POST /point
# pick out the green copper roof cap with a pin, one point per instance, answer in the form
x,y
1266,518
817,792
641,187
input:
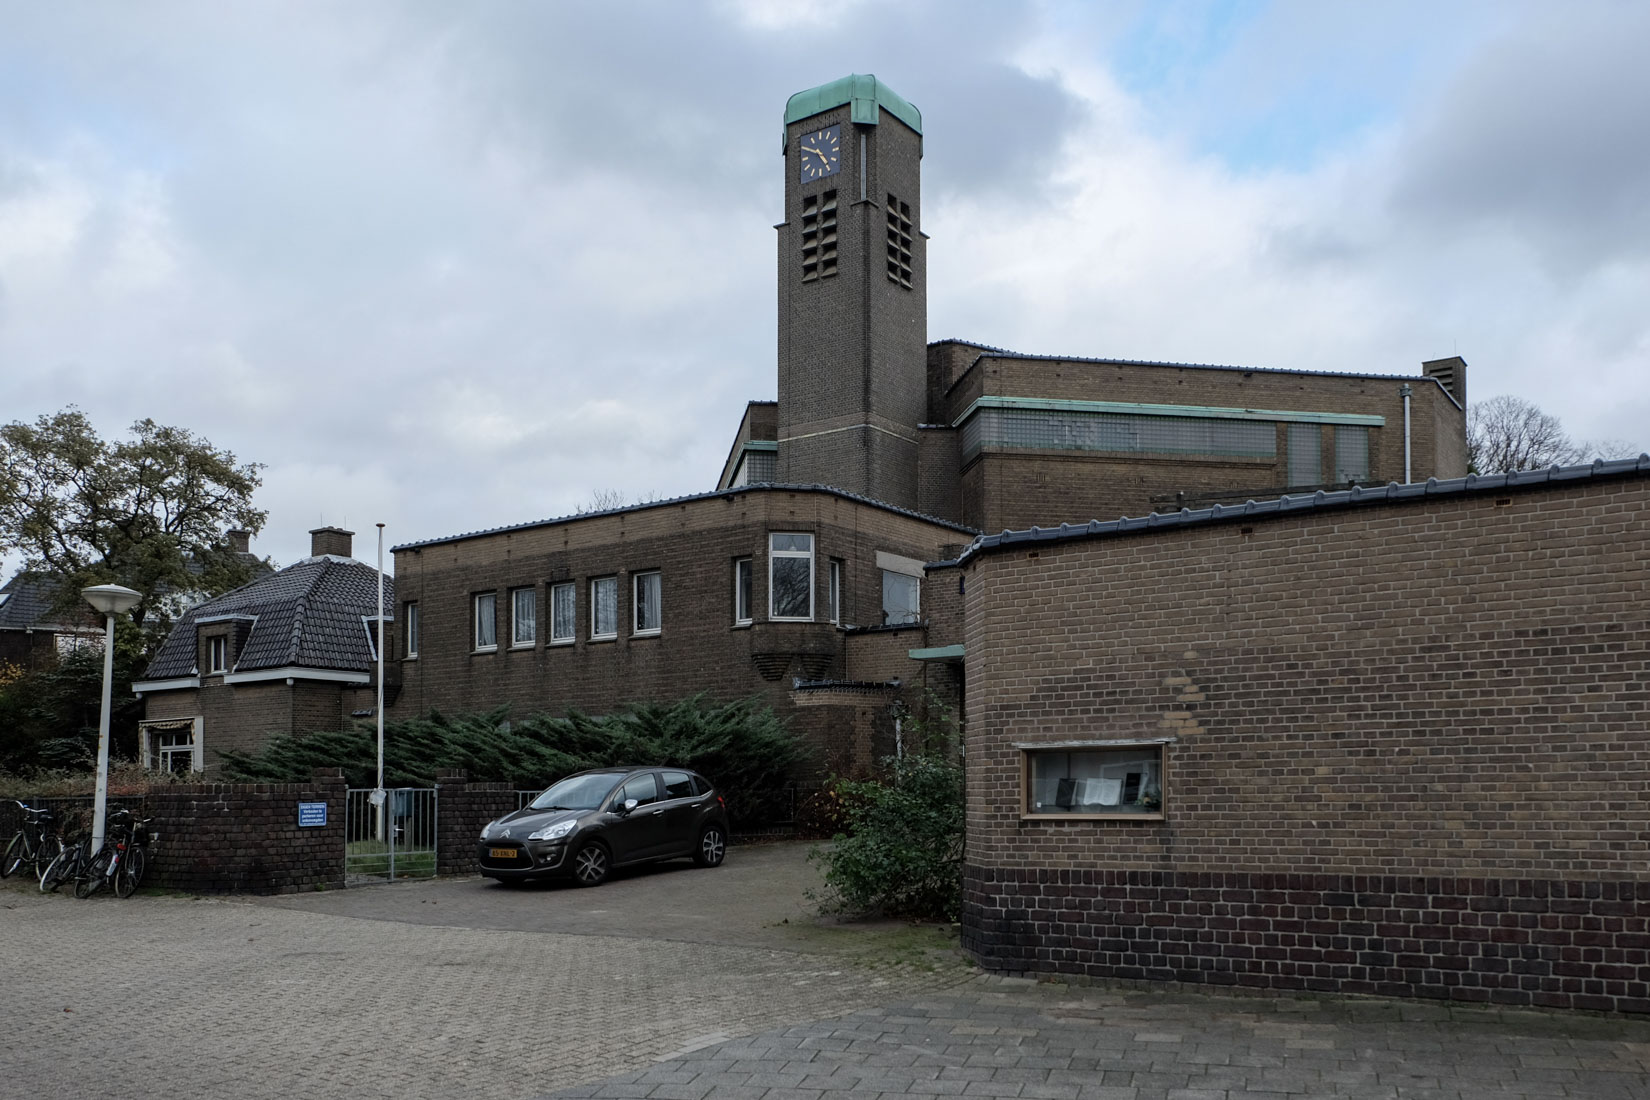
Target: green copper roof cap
x,y
865,92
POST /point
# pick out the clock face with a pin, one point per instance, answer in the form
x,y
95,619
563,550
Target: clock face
x,y
821,153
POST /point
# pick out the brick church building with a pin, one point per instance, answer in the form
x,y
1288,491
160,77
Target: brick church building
x,y
1260,687
801,576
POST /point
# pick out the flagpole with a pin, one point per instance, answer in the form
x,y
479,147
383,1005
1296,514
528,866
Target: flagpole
x,y
379,710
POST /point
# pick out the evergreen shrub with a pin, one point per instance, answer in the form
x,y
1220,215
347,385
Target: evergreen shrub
x,y
742,747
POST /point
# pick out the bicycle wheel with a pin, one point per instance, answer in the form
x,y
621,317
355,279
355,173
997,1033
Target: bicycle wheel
x,y
61,869
129,873
92,873
15,855
50,845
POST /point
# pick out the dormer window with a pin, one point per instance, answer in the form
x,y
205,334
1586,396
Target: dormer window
x,y
217,654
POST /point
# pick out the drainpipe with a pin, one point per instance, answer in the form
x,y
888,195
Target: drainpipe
x,y
1404,391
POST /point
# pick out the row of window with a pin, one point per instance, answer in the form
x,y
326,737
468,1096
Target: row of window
x,y
791,580
1046,429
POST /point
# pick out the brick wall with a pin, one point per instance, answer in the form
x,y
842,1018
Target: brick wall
x,y
699,648
1018,488
221,838
462,809
1408,749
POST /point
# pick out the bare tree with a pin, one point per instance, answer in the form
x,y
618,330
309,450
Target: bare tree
x,y
1508,433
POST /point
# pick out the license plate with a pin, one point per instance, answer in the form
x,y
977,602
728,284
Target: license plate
x,y
502,853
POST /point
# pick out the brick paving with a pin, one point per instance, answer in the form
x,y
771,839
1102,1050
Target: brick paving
x,y
182,998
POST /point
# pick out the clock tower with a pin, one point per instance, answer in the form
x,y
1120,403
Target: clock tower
x,y
853,296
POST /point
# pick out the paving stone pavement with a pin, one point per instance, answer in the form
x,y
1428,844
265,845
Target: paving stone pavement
x,y
998,1038
182,998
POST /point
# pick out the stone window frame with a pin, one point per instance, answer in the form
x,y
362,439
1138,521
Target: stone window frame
x,y
742,572
570,590
791,555
597,635
637,604
531,620
1028,749
490,617
410,630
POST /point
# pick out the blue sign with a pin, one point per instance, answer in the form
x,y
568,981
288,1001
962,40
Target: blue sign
x,y
311,813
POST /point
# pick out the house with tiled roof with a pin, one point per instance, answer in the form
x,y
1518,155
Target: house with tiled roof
x,y
35,625
289,653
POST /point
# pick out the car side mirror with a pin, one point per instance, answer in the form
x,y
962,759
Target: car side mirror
x,y
629,804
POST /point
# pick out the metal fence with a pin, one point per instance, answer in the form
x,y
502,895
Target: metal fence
x,y
392,840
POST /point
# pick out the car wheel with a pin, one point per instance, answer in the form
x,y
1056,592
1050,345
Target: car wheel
x,y
713,847
591,865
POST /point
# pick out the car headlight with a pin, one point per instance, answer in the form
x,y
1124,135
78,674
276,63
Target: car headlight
x,y
553,832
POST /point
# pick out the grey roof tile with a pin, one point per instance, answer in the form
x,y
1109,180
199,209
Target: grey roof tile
x,y
307,615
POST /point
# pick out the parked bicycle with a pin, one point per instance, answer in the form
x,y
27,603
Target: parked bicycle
x,y
121,861
36,843
68,864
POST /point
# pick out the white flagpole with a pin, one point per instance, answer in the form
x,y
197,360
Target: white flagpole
x,y
379,710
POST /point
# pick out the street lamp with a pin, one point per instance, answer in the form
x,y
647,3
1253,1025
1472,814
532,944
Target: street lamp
x,y
112,600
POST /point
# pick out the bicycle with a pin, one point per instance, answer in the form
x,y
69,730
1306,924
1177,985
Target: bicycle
x,y
122,859
67,866
36,843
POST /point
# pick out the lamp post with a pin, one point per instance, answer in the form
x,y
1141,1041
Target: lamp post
x,y
112,600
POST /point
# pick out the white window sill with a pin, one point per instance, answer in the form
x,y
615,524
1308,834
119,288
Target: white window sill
x,y
741,624
484,649
604,637
562,641
790,619
524,645
409,657
646,633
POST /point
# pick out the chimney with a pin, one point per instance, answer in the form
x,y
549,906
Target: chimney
x,y
240,541
1451,374
330,540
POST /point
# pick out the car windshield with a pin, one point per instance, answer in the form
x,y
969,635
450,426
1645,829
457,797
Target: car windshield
x,y
577,792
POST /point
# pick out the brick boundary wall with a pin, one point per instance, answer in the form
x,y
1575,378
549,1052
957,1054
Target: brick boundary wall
x,y
462,808
1531,942
233,838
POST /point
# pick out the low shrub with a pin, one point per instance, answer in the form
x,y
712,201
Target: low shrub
x,y
901,853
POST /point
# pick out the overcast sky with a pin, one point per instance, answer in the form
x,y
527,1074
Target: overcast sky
x,y
451,266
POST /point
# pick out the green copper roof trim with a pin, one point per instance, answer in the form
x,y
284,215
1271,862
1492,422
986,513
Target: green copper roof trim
x,y
937,653
761,445
1295,416
866,93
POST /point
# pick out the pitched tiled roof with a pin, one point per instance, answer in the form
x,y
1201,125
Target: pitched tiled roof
x,y
26,603
308,615
1308,502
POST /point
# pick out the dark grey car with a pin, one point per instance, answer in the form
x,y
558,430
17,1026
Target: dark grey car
x,y
589,823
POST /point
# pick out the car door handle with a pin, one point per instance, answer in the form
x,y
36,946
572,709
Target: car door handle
x,y
656,813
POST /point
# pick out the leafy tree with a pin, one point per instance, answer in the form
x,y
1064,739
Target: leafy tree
x,y
49,716
1506,434
149,512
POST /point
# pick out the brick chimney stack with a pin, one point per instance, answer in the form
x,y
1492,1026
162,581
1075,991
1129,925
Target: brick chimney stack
x,y
240,541
330,540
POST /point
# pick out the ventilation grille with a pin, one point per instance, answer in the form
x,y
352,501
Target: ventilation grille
x,y
818,236
899,241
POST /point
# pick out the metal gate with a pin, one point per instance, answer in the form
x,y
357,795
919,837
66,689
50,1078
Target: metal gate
x,y
389,840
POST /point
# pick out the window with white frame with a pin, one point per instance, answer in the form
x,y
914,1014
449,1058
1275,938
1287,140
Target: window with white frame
x,y
170,746
901,598
604,608
742,591
1094,780
410,612
562,613
790,576
217,654
524,617
834,597
647,588
486,620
